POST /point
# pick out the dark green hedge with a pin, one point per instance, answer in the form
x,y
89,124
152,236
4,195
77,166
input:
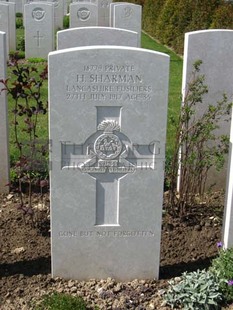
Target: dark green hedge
x,y
169,20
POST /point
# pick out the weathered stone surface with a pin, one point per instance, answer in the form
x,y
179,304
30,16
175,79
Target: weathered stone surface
x,y
5,23
127,16
108,111
86,36
215,49
39,29
228,211
104,12
4,145
83,14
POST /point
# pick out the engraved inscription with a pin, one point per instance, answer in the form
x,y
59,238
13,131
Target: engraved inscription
x,y
38,14
102,234
83,14
55,2
109,82
104,4
128,11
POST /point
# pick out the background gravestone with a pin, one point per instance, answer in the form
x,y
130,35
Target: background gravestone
x,y
127,16
108,111
215,49
39,29
95,36
18,5
58,11
12,26
111,11
83,14
5,23
104,13
4,147
228,211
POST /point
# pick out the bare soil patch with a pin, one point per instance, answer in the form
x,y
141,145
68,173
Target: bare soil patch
x,y
186,245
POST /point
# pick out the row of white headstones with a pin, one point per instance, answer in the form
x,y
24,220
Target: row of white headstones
x,y
41,19
121,108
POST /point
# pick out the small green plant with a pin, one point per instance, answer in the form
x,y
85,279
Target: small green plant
x,y
195,291
60,301
21,44
19,23
17,54
18,14
222,267
197,147
36,60
66,22
24,88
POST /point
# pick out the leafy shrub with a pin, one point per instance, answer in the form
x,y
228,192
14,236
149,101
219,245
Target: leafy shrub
x,y
180,16
223,17
169,20
202,14
17,55
21,44
18,14
36,60
58,301
19,23
197,148
66,22
166,22
222,267
25,89
195,291
151,12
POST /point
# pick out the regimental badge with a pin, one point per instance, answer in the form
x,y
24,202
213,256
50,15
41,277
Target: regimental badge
x,y
109,153
108,145
83,14
38,14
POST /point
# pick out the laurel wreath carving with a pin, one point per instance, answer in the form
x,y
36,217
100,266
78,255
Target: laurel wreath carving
x,y
109,126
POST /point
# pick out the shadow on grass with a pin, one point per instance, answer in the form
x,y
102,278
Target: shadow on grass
x,y
171,271
41,265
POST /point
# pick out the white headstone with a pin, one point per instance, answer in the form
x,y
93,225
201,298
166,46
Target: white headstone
x,y
18,5
83,14
39,29
111,11
58,11
228,211
108,111
104,13
66,6
215,49
12,26
4,145
5,22
87,36
127,16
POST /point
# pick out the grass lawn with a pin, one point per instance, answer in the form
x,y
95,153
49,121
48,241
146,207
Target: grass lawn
x,y
175,81
173,105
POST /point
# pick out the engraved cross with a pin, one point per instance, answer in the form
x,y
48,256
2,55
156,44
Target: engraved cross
x,y
38,37
108,155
